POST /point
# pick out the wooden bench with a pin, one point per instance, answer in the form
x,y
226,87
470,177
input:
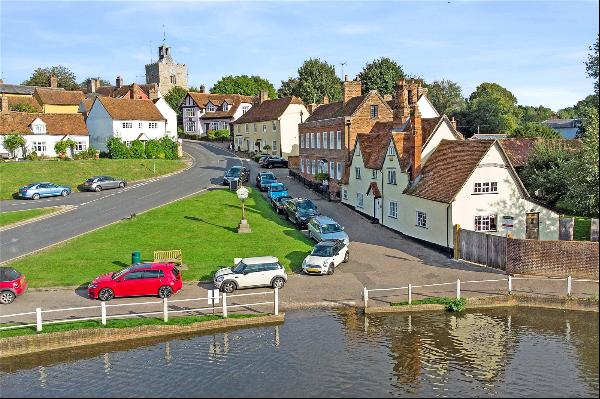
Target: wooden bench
x,y
172,256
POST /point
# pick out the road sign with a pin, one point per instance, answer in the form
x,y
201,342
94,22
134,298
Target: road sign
x,y
213,297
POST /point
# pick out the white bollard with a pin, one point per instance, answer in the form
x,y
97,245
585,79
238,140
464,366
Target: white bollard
x,y
569,286
409,294
224,305
457,288
103,312
365,296
509,284
276,302
38,319
165,310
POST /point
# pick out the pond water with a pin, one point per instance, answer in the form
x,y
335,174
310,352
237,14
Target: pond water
x,y
496,352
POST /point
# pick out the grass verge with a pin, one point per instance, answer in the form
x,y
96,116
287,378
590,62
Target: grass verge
x,y
119,323
452,304
204,227
72,173
7,218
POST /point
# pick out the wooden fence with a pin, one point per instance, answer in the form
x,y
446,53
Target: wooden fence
x,y
484,249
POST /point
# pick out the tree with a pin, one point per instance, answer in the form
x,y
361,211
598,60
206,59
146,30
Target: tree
x,y
527,113
315,80
446,96
137,149
41,77
117,149
536,130
382,75
174,98
62,146
101,82
244,85
12,142
591,65
287,87
23,108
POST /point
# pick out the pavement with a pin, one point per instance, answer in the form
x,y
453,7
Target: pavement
x,y
379,258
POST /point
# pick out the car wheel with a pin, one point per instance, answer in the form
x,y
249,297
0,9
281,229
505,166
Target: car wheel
x,y
64,193
106,294
347,257
331,269
35,196
122,185
7,297
165,291
98,188
278,282
228,287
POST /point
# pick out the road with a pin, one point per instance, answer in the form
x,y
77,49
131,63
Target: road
x,y
94,210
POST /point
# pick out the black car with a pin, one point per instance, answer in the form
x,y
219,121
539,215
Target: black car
x,y
271,162
299,211
236,172
279,203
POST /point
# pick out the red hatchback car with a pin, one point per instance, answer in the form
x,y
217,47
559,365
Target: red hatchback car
x,y
162,279
12,284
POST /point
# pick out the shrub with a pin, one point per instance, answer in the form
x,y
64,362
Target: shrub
x,y
90,153
322,176
117,149
33,156
220,134
12,142
169,148
62,146
137,149
154,150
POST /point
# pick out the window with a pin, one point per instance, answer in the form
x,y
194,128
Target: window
x,y
357,149
153,274
152,125
421,219
331,169
39,128
393,209
211,108
238,129
373,174
301,165
302,140
331,140
189,112
485,187
340,167
134,275
39,146
127,125
338,134
127,143
374,111
312,140
357,172
319,167
190,126
485,223
245,109
360,200
264,127
247,128
344,194
274,126
225,107
274,147
214,125
325,140
80,146
391,174
255,128
140,125
391,151
318,140
314,166
173,79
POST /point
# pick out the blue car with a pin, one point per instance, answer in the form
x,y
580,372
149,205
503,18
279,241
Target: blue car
x,y
265,181
276,190
38,190
322,228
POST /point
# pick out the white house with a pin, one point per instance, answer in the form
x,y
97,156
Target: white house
x,y
169,114
43,131
422,188
125,118
202,112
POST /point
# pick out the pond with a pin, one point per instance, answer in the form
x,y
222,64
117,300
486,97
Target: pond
x,y
496,352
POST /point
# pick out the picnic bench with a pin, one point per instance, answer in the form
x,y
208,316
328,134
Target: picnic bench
x,y
171,256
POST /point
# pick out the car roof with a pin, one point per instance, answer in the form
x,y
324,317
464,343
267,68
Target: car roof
x,y
324,219
149,265
259,260
276,184
328,243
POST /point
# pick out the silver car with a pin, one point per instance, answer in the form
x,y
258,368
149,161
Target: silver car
x,y
99,183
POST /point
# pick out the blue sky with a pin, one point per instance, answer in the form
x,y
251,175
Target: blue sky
x,y
535,49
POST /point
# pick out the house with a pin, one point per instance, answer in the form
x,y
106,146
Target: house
x,y
54,101
328,136
119,90
568,128
169,114
422,186
42,131
202,111
273,123
127,119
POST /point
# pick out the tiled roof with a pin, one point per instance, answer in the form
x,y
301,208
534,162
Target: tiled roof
x,y
234,100
27,100
118,92
59,97
6,88
268,110
56,124
448,168
518,150
127,109
336,109
374,146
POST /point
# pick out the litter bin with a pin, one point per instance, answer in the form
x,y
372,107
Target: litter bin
x,y
136,257
234,184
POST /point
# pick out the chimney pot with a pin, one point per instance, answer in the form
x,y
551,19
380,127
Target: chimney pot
x,y
453,122
202,88
53,81
345,78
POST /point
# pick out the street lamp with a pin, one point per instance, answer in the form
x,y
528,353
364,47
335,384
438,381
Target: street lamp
x,y
242,194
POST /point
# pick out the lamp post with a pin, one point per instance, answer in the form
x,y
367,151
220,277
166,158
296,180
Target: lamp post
x,y
242,194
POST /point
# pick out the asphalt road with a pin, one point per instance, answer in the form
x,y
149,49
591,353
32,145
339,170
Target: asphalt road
x,y
94,210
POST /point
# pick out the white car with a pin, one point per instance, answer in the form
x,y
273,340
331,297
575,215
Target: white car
x,y
325,257
264,271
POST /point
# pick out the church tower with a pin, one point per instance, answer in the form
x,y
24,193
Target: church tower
x,y
166,72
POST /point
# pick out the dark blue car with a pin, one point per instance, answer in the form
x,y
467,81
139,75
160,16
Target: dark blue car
x,y
265,181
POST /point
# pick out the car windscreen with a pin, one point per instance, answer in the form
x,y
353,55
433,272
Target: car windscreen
x,y
322,250
9,274
239,268
278,189
234,172
282,199
268,176
331,228
306,206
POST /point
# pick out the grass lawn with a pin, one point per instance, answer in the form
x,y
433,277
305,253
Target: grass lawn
x,y
7,218
72,173
452,304
119,323
203,227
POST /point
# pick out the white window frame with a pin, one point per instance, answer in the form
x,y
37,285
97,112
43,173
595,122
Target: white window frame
x,y
247,128
190,126
152,125
374,115
225,106
391,176
393,209
357,172
264,127
318,140
39,147
80,146
338,134
340,168
331,169
301,165
127,125
314,167
210,108
312,140
302,140
344,194
332,140
373,173
485,223
391,151
487,187
360,200
245,109
274,146
274,126
190,113
357,149
421,219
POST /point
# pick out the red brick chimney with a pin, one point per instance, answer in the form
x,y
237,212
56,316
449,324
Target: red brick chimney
x,y
414,89
4,105
53,81
416,142
352,88
401,108
325,99
264,96
119,82
311,107
153,92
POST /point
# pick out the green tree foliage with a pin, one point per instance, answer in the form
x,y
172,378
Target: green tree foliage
x,y
576,111
220,134
101,82
174,98
446,96
169,148
315,79
117,149
243,84
381,75
23,108
591,65
41,77
533,130
287,87
62,146
12,142
137,149
527,113
154,150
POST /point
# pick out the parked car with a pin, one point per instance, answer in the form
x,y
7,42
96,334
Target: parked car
x,y
99,183
162,279
266,180
12,284
264,271
258,157
299,211
279,203
321,228
46,189
276,190
271,162
236,172
259,175
325,257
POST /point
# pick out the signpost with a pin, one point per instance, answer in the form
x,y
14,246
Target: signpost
x,y
507,225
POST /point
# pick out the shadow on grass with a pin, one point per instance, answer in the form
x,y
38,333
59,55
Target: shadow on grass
x,y
120,264
197,219
295,258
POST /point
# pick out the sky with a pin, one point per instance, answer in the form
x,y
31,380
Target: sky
x,y
535,49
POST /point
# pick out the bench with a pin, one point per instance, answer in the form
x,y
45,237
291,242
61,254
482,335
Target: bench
x,y
172,256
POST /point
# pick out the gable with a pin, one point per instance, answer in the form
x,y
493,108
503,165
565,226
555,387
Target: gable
x,y
443,131
426,107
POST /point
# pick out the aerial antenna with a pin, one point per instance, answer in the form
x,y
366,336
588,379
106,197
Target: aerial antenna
x,y
342,64
164,35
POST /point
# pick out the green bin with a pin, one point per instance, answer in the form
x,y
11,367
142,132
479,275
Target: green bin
x,y
136,257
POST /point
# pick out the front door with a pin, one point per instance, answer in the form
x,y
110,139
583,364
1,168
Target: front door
x,y
377,211
532,226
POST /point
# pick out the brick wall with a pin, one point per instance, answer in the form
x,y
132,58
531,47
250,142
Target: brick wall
x,y
293,162
578,259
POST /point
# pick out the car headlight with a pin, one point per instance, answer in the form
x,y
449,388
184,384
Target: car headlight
x,y
325,262
219,279
93,286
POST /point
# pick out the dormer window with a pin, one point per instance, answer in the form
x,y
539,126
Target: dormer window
x,y
225,106
38,127
210,108
391,152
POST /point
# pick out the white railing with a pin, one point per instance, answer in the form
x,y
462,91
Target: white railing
x,y
569,286
103,307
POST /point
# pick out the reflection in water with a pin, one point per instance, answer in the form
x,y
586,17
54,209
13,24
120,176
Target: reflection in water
x,y
499,352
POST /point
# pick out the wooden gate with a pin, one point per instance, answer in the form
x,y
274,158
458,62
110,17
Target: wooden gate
x,y
484,249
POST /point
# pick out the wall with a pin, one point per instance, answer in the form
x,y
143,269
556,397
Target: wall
x,y
442,133
426,108
133,133
60,109
288,130
100,126
50,141
361,185
170,115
